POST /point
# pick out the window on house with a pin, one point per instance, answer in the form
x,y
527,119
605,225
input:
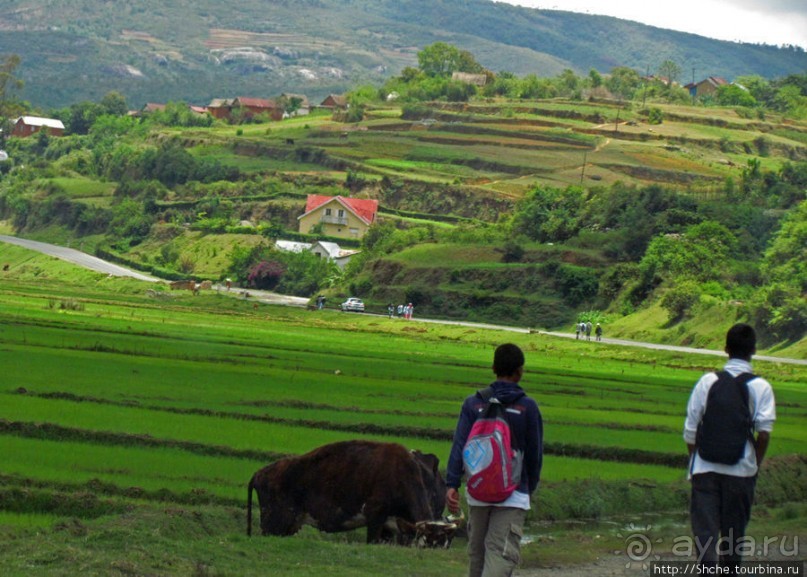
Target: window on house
x,y
341,213
327,212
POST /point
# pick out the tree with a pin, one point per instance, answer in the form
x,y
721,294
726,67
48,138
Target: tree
x,y
669,71
266,274
595,78
785,259
441,59
81,116
623,82
734,95
114,103
680,299
8,84
700,254
549,214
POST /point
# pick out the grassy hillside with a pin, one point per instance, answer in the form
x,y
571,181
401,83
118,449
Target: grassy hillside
x,y
468,225
159,51
135,459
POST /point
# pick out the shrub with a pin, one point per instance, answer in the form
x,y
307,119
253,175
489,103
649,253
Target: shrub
x,y
265,275
655,116
512,252
678,300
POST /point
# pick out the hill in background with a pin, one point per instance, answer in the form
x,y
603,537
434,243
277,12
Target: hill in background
x,y
171,50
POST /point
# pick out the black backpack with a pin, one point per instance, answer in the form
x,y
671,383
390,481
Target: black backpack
x,y
726,423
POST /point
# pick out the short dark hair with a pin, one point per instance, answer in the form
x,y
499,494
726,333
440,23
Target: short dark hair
x,y
507,359
741,341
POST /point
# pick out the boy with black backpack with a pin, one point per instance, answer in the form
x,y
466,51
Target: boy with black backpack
x,y
498,445
730,416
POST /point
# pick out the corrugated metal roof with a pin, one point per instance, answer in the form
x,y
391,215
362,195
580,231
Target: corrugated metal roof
x,y
39,121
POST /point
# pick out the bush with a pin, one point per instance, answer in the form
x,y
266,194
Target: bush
x,y
782,310
512,252
655,116
678,300
265,275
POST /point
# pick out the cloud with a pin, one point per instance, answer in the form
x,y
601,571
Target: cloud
x,y
769,6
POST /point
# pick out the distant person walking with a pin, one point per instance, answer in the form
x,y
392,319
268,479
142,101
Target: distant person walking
x,y
400,311
577,330
725,410
391,310
408,310
598,331
588,330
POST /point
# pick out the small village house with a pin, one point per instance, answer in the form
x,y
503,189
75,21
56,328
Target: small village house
x,y
292,246
221,108
303,105
327,250
338,216
706,87
334,102
466,78
333,252
152,107
252,107
28,125
229,108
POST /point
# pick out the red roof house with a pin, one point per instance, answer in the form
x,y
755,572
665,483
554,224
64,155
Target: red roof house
x,y
338,216
28,125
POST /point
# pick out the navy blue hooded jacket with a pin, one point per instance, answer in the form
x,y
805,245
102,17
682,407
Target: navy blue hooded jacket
x,y
526,427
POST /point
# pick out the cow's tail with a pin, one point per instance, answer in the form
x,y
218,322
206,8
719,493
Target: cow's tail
x,y
249,506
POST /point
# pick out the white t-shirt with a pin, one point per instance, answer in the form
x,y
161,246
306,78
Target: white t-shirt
x,y
763,413
517,500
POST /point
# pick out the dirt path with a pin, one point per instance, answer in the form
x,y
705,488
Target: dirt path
x,y
604,567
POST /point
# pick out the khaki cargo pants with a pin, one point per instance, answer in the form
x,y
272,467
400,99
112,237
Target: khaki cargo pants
x,y
494,540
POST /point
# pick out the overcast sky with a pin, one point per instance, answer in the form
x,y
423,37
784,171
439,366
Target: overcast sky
x,y
774,22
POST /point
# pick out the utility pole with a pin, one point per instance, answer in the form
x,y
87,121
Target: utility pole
x,y
583,170
646,81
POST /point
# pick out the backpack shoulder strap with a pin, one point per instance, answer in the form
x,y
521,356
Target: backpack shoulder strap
x,y
486,393
741,380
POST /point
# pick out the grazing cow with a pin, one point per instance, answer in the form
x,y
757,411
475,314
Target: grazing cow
x,y
347,485
183,285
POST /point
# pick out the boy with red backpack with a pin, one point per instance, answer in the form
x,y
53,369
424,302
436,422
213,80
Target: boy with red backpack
x,y
498,445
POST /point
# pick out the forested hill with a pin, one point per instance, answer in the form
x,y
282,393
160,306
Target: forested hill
x,y
160,50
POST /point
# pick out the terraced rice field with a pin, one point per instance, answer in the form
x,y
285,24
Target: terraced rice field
x,y
191,396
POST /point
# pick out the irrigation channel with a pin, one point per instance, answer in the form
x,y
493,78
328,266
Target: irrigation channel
x,y
94,263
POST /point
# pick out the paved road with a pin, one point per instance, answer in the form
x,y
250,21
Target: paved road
x,y
94,263
77,257
97,264
622,342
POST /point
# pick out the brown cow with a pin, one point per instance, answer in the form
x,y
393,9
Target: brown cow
x,y
183,285
347,485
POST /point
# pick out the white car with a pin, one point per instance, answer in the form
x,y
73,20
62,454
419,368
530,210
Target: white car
x,y
353,304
